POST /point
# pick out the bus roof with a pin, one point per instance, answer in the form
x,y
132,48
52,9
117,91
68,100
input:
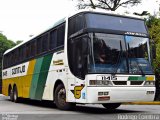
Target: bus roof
x,y
106,12
73,14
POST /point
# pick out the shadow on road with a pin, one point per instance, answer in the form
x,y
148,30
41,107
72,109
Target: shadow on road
x,y
78,108
98,110
37,103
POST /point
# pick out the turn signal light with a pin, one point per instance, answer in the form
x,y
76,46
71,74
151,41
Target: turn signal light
x,y
149,83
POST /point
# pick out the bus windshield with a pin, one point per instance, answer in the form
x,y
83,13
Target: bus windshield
x,y
119,54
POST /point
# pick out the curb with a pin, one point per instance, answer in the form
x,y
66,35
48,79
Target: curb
x,y
143,103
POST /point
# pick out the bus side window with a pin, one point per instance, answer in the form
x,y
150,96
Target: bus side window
x,y
9,60
16,56
20,53
76,24
77,56
39,45
28,50
53,40
33,48
45,43
4,61
60,35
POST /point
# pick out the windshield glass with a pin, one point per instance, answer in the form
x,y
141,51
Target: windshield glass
x,y
119,54
108,52
138,55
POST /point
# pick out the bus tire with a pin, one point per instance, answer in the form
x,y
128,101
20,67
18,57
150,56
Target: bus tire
x,y
10,93
60,98
15,94
111,106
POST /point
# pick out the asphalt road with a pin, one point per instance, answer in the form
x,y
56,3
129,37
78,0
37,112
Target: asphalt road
x,y
45,110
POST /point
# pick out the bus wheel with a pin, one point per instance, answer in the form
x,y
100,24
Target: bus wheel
x,y
10,94
15,94
60,98
111,106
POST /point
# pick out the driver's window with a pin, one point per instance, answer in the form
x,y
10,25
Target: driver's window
x,y
77,59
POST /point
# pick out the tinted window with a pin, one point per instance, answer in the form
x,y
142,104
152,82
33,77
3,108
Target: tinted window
x,y
109,54
77,56
28,50
138,56
5,61
60,35
53,39
33,48
45,43
9,59
12,58
20,54
75,24
115,23
16,55
39,45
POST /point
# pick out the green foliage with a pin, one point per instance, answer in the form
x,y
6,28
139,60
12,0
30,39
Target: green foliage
x,y
5,44
18,42
153,25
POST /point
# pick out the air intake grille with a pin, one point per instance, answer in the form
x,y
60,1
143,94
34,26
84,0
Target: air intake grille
x,y
120,82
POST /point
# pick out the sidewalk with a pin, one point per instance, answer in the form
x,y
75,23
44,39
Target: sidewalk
x,y
143,103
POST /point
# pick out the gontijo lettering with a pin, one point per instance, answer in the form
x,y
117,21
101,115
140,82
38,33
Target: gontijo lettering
x,y
5,73
18,70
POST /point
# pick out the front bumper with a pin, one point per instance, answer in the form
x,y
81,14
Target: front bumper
x,y
120,94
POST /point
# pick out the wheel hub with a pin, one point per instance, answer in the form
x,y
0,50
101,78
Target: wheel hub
x,y
62,96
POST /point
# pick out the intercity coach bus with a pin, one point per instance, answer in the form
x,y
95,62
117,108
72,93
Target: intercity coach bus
x,y
86,58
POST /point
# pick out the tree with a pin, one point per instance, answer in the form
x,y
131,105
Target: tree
x,y
153,25
106,4
18,42
5,44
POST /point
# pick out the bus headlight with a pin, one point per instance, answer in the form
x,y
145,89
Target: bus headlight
x,y
149,83
100,82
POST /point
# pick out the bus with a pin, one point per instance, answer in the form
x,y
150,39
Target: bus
x,y
89,57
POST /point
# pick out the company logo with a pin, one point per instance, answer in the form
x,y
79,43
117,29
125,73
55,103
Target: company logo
x,y
18,70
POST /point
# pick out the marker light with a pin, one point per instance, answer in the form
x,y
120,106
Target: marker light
x,y
149,83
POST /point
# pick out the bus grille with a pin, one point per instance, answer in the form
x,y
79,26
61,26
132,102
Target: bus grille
x,y
136,82
130,82
120,82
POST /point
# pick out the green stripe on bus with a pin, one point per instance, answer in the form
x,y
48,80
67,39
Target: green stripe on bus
x,y
34,82
40,77
136,78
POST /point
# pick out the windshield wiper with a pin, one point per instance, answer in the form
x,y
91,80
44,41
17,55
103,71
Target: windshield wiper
x,y
119,59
